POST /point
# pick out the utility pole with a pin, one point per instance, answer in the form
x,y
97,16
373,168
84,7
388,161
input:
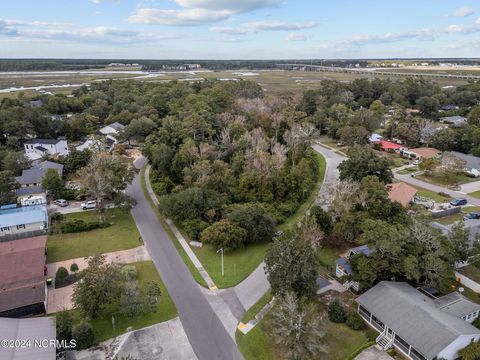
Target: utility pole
x,y
221,252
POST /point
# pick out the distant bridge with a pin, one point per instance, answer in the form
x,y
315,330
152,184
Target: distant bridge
x,y
306,67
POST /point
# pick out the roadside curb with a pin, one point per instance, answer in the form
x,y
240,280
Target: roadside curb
x,y
193,258
245,328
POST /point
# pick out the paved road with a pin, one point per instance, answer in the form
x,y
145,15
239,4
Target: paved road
x,y
331,172
416,182
205,331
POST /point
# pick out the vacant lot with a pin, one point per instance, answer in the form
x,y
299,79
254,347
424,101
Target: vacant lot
x,y
121,235
166,310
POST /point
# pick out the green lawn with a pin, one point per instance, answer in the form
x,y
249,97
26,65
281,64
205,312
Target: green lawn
x,y
166,310
253,311
326,257
432,195
439,178
471,272
475,194
238,263
256,345
193,270
122,235
341,341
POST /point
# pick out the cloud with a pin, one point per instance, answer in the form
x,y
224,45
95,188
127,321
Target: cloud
x,y
267,25
463,11
190,17
426,34
296,37
198,12
235,6
30,30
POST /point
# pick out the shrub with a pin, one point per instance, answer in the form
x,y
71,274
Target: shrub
x,y
63,321
129,272
322,218
355,321
73,226
83,334
194,228
470,352
336,312
61,274
74,267
371,335
476,323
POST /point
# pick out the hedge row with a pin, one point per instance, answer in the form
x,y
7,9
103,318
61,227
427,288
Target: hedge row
x,y
73,226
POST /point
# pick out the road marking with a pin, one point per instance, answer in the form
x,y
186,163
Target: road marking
x,y
213,288
241,326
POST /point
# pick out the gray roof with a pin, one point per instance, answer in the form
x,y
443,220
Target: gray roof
x,y
29,190
117,126
414,317
39,328
364,249
455,120
35,174
344,264
456,304
472,161
43,141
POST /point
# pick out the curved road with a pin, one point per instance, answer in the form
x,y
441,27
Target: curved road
x,y
207,335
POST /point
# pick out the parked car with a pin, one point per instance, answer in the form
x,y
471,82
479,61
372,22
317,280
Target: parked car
x,y
472,215
458,202
91,204
61,202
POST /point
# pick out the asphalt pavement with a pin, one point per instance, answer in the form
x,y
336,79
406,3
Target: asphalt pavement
x,y
208,337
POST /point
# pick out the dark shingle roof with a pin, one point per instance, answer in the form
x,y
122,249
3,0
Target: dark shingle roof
x,y
35,174
43,141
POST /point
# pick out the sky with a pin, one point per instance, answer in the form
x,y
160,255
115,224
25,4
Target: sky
x,y
239,29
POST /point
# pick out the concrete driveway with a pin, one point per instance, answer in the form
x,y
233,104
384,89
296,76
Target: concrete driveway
x,y
164,341
470,187
59,299
373,353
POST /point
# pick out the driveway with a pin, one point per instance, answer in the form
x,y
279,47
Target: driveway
x,y
59,299
373,353
206,333
470,187
164,341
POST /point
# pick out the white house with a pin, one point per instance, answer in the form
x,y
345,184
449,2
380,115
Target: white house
x,y
35,149
420,326
111,132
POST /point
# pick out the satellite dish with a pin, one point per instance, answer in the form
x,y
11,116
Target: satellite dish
x,y
461,289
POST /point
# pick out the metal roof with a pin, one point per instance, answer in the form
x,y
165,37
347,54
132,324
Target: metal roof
x,y
40,328
29,190
415,317
23,215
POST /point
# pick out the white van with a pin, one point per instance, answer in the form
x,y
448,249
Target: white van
x,y
91,204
